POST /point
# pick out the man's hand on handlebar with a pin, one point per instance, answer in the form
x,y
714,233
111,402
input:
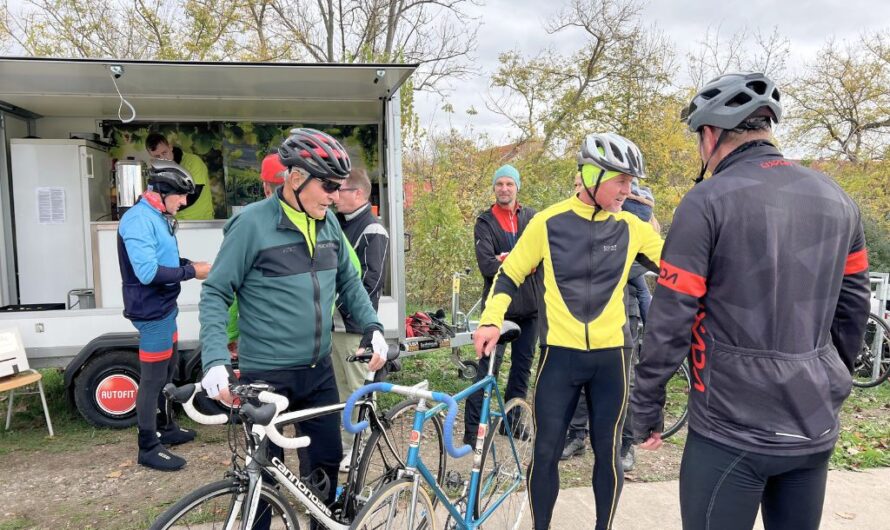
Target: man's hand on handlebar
x,y
216,383
373,340
485,338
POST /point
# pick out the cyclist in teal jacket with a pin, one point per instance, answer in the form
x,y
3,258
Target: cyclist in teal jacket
x,y
288,260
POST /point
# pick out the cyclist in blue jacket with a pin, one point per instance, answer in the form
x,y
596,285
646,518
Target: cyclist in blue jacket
x,y
151,271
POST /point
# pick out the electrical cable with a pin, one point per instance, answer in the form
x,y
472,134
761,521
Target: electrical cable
x,y
123,102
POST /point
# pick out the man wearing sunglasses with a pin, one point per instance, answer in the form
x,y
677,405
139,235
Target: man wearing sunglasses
x,y
289,261
370,240
151,271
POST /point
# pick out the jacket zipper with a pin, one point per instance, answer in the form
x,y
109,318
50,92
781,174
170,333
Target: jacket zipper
x,y
589,283
317,296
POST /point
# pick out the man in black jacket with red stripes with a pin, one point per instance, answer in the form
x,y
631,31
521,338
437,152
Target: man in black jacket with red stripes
x,y
496,232
764,286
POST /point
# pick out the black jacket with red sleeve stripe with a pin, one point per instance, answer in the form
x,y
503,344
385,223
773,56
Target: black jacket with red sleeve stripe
x,y
764,286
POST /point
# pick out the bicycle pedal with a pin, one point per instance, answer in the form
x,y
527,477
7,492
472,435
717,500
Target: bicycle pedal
x,y
453,479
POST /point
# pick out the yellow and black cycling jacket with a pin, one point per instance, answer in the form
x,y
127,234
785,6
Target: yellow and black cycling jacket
x,y
586,262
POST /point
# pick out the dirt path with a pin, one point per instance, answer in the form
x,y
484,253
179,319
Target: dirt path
x,y
101,487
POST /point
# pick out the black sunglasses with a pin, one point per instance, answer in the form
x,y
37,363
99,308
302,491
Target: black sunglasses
x,y
330,186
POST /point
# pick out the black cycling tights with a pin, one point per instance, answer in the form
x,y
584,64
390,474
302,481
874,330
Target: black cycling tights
x,y
721,488
604,376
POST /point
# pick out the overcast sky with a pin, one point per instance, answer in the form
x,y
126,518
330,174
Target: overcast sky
x,y
518,24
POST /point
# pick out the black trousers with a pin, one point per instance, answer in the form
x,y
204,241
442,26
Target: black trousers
x,y
564,372
522,351
578,425
306,388
722,488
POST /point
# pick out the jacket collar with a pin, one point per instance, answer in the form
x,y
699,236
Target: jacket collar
x,y
747,151
360,212
585,210
284,222
154,201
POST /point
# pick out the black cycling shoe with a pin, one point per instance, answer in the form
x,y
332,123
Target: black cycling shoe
x,y
177,435
160,458
574,447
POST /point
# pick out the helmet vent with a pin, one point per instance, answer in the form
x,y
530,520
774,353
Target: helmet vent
x,y
714,92
759,87
740,99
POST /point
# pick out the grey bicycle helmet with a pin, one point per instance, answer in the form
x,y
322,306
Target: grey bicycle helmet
x,y
612,152
728,100
315,152
166,176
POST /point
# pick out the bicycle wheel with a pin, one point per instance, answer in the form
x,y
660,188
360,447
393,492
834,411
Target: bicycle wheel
x,y
221,505
378,465
872,364
676,403
392,508
502,471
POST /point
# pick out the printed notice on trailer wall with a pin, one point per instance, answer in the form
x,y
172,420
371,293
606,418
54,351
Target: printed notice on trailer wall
x,y
51,206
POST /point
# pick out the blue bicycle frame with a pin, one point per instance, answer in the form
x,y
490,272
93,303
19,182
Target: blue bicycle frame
x,y
414,462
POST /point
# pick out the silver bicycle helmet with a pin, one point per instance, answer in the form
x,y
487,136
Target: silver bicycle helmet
x,y
728,100
166,176
612,152
315,152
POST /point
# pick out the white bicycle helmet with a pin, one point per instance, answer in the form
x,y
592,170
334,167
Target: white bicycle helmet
x,y
727,101
612,152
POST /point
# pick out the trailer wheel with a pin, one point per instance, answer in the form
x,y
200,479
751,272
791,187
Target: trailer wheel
x,y
105,389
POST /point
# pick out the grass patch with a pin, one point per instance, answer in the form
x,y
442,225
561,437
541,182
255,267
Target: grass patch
x,y
28,431
865,430
18,523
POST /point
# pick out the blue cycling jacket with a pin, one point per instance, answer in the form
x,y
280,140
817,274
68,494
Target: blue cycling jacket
x,y
151,269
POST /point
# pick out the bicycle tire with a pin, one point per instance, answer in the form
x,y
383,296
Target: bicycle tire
x,y
378,466
876,330
677,395
199,508
379,512
498,466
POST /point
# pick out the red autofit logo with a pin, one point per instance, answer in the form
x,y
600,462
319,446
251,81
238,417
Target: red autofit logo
x,y
116,394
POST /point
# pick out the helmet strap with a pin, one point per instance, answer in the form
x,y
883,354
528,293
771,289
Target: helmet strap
x,y
704,164
297,193
596,187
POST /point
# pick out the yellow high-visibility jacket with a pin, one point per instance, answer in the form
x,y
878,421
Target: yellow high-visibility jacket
x,y
586,263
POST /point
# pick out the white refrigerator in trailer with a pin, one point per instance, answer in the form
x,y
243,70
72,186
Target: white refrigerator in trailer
x,y
59,187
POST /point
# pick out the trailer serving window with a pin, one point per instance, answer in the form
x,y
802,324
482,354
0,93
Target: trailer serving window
x,y
232,152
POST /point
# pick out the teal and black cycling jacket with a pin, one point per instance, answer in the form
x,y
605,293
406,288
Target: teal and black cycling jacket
x,y
286,294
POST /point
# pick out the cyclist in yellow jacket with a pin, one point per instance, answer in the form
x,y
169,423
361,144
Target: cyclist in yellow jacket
x,y
586,246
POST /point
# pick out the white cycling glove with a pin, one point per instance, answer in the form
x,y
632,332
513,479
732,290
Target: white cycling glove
x,y
216,379
379,345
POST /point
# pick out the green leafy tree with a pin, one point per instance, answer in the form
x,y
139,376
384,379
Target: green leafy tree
x,y
842,101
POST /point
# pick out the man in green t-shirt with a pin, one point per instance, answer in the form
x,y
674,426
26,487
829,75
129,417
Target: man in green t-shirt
x,y
200,203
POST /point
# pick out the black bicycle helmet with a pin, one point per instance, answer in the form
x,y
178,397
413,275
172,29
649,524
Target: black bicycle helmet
x,y
315,152
730,99
166,176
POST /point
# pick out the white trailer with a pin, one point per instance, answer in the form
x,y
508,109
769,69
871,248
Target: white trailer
x,y
54,98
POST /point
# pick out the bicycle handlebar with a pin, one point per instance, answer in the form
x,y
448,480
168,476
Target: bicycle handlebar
x,y
411,392
264,415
